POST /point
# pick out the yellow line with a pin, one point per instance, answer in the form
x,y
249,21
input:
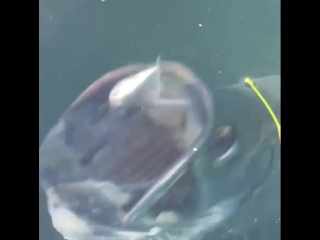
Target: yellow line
x,y
275,119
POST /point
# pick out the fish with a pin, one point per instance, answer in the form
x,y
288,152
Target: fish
x,y
120,141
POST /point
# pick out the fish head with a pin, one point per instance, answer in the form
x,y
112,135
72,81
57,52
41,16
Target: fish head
x,y
270,84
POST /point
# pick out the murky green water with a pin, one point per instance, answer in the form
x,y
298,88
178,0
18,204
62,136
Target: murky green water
x,y
222,40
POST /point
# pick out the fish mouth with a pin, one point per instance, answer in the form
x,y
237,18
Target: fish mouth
x,y
130,155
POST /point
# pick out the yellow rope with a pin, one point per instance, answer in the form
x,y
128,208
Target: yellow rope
x,y
274,117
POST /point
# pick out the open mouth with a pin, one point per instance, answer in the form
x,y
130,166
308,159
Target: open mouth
x,y
128,164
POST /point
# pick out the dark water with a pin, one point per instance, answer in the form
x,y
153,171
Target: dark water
x,y
80,40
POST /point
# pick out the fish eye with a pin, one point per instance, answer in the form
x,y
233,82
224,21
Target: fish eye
x,y
224,146
224,135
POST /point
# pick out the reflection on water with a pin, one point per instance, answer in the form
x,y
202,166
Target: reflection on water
x,y
80,40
